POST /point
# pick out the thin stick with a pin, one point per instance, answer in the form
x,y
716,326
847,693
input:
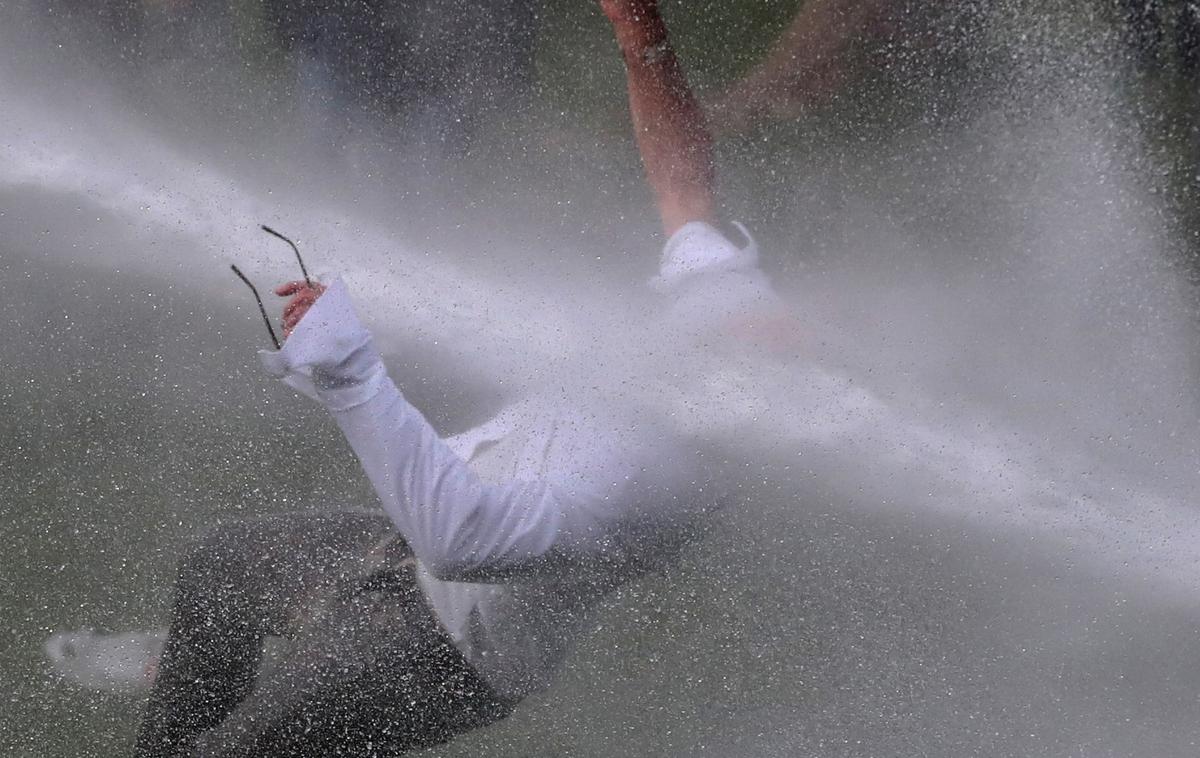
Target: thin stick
x,y
261,309
303,270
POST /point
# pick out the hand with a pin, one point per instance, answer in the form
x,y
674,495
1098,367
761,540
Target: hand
x,y
303,296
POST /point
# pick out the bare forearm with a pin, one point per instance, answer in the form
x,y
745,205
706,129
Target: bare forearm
x,y
670,128
814,41
808,64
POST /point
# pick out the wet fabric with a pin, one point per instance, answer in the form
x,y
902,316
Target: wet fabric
x,y
519,543
368,671
522,527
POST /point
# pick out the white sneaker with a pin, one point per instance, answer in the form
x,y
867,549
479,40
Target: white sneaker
x,y
123,662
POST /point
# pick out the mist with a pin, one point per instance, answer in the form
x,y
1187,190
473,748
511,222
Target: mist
x,y
961,517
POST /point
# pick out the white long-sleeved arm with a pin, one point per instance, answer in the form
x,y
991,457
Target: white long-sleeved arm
x,y
458,525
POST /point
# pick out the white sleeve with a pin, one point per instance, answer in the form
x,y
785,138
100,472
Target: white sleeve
x,y
458,526
698,247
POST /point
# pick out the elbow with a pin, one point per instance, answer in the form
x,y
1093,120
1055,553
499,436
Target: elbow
x,y
467,558
491,534
446,568
455,558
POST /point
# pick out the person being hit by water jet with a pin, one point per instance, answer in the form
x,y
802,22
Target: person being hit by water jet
x,y
441,616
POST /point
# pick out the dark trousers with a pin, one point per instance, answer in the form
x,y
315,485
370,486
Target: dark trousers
x,y
367,672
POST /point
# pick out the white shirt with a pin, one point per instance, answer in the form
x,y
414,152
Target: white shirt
x,y
522,524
